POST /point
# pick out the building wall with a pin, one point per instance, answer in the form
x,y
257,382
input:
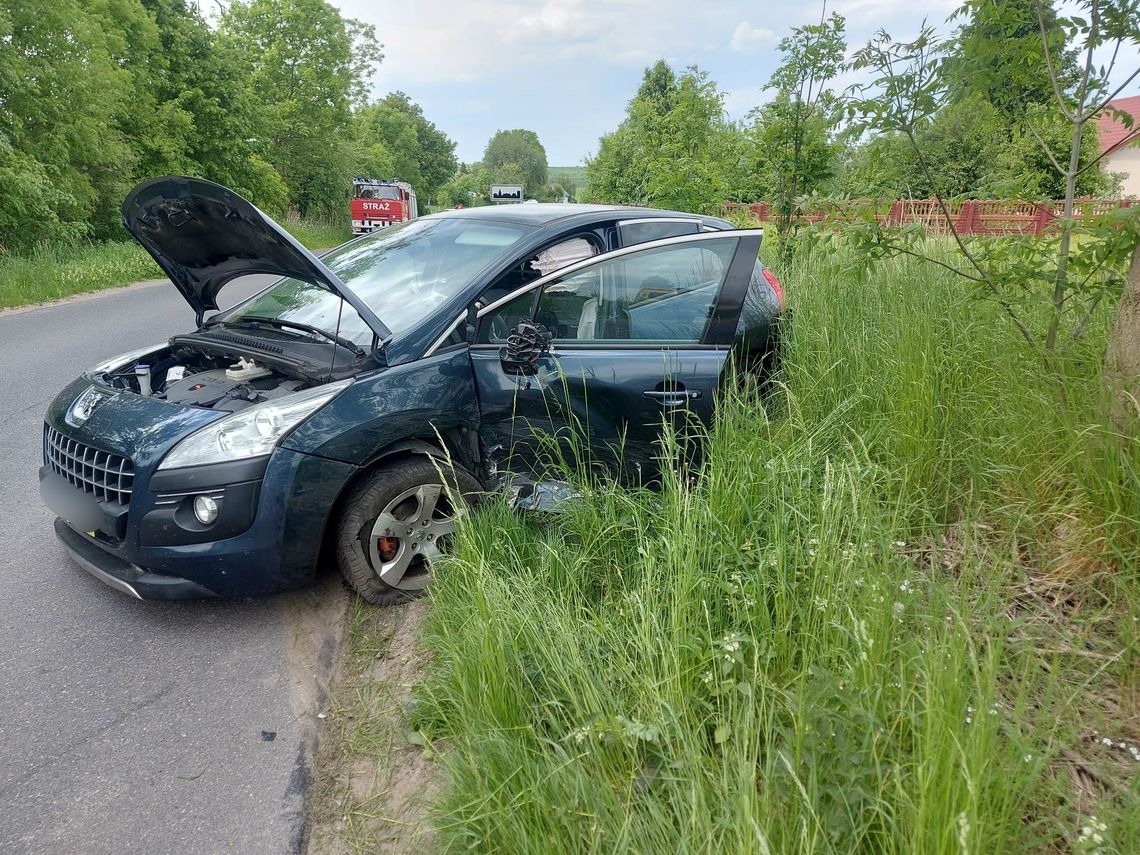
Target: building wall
x,y
1126,160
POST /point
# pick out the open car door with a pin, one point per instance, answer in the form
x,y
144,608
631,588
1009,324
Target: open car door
x,y
584,366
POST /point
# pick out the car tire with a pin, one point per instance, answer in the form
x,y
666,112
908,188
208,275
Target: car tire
x,y
396,523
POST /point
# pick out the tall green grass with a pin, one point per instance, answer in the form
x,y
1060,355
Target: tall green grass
x,y
57,271
318,232
62,270
895,612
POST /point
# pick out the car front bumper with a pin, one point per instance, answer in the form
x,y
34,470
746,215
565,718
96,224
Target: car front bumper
x,y
274,547
121,575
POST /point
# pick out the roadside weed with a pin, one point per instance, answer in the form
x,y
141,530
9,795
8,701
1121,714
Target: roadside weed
x,y
885,615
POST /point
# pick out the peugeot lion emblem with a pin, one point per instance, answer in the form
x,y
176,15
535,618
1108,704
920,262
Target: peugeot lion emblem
x,y
84,406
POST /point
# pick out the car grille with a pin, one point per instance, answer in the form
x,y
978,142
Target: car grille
x,y
107,476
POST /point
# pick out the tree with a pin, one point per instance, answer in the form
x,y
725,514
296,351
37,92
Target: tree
x,y
207,85
60,96
435,151
998,54
673,149
795,127
470,187
517,156
908,87
307,67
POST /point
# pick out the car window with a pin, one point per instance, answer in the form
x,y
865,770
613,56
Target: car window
x,y
631,232
552,258
663,295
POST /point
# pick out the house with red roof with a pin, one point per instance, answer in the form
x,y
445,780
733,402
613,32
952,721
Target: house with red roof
x,y
1120,145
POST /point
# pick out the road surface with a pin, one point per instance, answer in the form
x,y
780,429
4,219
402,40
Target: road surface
x,y
128,726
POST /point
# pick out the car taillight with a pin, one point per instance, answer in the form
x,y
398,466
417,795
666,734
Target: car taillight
x,y
775,283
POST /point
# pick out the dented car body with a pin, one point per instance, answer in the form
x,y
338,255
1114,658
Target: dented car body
x,y
320,417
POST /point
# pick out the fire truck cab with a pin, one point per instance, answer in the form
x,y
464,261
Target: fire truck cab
x,y
376,204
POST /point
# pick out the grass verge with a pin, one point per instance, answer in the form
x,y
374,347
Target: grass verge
x,y
63,270
55,272
374,779
896,612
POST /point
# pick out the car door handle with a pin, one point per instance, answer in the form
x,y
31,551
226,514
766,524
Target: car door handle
x,y
672,397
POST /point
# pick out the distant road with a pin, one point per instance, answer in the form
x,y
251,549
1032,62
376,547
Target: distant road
x,y
128,726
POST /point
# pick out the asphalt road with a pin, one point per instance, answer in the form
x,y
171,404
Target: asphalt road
x,y
128,726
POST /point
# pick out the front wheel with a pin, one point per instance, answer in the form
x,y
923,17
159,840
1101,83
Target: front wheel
x,y
397,523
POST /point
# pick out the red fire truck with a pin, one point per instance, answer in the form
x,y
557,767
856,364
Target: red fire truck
x,y
376,204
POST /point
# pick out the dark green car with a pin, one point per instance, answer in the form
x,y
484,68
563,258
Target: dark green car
x,y
346,409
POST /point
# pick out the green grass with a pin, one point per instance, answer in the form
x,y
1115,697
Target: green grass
x,y
576,175
54,272
896,613
318,232
62,270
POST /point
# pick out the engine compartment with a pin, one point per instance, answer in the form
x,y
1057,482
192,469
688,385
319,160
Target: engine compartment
x,y
192,378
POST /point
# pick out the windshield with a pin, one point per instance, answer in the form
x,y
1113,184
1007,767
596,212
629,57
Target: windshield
x,y
403,273
381,192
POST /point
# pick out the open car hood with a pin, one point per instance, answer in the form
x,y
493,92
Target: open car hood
x,y
204,235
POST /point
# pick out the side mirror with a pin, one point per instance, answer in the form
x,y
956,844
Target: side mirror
x,y
526,344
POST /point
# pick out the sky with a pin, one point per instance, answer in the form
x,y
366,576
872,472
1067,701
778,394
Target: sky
x,y
566,69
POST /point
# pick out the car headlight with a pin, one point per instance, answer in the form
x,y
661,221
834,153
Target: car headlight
x,y
251,432
122,359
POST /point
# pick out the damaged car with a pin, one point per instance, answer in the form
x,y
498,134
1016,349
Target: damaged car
x,y
350,410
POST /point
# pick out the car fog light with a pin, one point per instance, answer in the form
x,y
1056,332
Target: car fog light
x,y
205,509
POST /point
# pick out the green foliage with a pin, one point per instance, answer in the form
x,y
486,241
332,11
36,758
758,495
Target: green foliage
x,y
60,101
1022,169
307,66
100,95
905,97
672,150
397,141
823,641
516,157
998,54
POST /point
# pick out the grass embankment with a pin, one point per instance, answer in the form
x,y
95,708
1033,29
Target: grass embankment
x,y
897,613
55,272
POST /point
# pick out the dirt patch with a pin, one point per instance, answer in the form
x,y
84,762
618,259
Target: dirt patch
x,y
374,787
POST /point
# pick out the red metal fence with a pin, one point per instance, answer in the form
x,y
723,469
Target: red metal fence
x,y
972,216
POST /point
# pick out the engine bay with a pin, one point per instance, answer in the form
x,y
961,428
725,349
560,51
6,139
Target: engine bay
x,y
191,378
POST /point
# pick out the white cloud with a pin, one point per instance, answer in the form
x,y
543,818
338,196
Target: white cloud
x,y
449,42
747,38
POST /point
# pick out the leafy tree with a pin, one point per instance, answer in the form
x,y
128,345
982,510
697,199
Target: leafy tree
x,y
908,87
795,128
389,144
998,53
673,149
60,93
517,156
307,66
199,78
470,187
434,152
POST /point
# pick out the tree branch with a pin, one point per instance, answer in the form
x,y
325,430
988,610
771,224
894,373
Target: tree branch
x,y
986,280
1118,90
1080,329
1045,147
1131,135
1049,65
922,257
